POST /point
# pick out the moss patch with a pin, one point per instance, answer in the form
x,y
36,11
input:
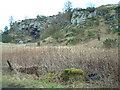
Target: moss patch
x,y
72,74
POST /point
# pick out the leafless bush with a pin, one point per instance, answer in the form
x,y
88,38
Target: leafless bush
x,y
56,59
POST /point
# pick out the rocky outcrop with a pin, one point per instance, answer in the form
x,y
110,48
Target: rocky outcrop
x,y
20,41
79,16
33,27
29,27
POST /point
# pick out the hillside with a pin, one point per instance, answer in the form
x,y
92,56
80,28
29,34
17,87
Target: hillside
x,y
66,28
73,49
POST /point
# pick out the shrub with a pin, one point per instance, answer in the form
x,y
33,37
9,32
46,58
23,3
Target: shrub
x,y
112,30
108,31
58,35
38,43
91,9
49,76
72,74
117,9
108,43
73,40
6,38
97,22
41,17
90,34
93,18
116,30
71,34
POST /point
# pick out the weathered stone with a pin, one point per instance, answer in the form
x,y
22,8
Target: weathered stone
x,y
80,16
20,42
94,76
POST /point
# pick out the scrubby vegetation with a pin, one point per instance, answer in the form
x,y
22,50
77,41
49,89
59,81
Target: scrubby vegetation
x,y
92,65
108,43
38,43
6,38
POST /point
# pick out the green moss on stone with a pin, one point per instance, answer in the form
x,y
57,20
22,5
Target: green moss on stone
x,y
72,73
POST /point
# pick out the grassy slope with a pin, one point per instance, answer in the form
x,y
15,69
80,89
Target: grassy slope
x,y
85,31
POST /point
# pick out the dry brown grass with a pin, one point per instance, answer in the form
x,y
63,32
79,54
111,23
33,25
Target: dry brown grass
x,y
57,58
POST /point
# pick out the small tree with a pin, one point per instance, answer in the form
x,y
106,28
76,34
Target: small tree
x,y
11,20
6,28
68,6
38,43
67,9
41,17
